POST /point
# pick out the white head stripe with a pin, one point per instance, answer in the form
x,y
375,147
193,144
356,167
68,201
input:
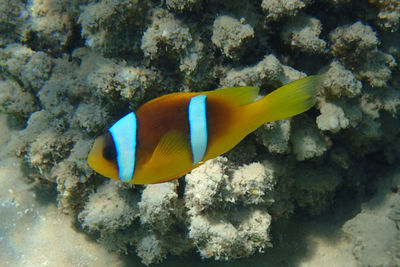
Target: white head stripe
x,y
124,136
198,127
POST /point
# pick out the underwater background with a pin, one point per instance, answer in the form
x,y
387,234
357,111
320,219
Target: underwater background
x,y
318,189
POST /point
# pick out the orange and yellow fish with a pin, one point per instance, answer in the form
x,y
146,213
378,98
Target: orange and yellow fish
x,y
173,134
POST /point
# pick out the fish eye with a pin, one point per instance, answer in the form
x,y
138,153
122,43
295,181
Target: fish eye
x,y
109,151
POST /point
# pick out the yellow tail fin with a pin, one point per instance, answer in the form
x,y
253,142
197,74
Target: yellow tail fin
x,y
287,101
291,99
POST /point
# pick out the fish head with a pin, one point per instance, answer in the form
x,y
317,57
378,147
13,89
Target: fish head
x,y
103,157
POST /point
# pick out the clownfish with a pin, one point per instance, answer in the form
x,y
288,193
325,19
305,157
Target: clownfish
x,y
173,134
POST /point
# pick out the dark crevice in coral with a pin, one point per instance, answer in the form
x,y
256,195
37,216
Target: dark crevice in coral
x,y
45,192
16,122
181,188
75,40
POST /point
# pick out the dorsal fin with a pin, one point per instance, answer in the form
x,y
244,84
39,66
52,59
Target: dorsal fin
x,y
237,95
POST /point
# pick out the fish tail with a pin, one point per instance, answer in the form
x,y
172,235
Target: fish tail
x,y
289,100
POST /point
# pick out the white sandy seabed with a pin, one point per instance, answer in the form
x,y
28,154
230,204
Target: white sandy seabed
x,y
34,233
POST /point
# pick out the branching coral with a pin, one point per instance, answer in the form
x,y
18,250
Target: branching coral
x,y
302,32
230,35
164,36
113,26
356,46
275,9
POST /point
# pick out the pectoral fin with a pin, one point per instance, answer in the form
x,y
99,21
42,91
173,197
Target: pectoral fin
x,y
171,156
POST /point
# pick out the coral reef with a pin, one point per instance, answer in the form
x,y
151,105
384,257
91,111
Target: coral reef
x,y
14,100
302,32
230,36
356,46
276,9
108,209
12,15
113,27
181,6
222,238
50,24
69,69
275,136
307,141
332,118
165,36
341,82
158,204
388,15
267,71
214,187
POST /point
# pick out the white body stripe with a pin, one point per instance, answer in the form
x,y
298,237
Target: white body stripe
x,y
124,136
198,127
